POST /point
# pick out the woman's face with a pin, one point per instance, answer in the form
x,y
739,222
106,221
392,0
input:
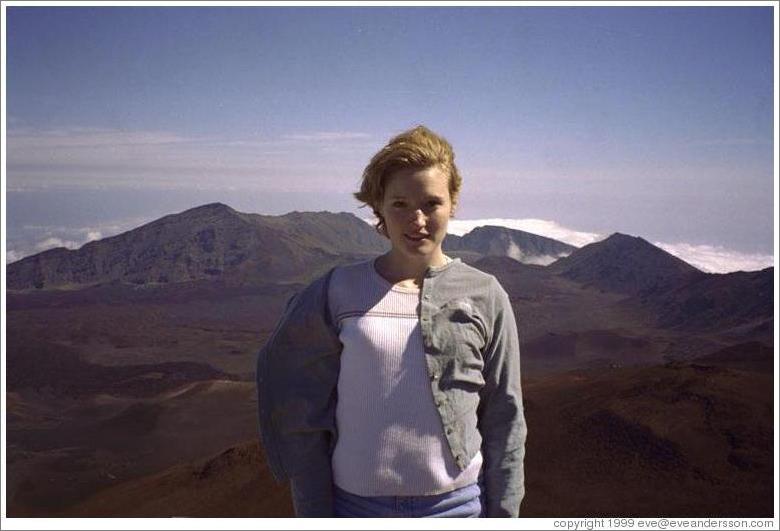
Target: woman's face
x,y
416,209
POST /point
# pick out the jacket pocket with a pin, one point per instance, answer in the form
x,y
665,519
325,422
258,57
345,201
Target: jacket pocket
x,y
459,339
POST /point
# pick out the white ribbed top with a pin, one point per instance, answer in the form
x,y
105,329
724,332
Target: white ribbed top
x,y
390,436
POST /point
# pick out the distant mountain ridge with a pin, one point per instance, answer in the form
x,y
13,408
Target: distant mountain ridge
x,y
205,242
522,246
625,264
717,301
215,241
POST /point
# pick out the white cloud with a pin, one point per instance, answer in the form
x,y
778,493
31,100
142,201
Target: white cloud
x,y
13,256
542,260
96,158
89,137
33,239
716,259
542,227
52,242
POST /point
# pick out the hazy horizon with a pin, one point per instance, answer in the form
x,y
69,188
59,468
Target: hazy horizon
x,y
29,239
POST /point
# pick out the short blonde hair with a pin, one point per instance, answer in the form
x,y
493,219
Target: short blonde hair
x,y
418,148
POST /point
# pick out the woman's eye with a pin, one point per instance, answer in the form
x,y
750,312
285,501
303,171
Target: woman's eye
x,y
399,204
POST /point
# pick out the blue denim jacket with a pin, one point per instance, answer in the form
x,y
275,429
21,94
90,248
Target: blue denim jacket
x,y
473,358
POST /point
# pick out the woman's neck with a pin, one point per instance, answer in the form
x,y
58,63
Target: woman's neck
x,y
400,270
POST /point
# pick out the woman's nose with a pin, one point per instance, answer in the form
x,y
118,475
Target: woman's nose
x,y
418,217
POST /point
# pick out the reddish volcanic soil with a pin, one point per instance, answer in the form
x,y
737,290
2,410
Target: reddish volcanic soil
x,y
58,455
676,440
235,483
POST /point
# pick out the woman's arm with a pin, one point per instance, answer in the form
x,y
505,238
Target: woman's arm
x,y
501,419
297,375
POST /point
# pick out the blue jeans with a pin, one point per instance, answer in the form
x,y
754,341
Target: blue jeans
x,y
466,502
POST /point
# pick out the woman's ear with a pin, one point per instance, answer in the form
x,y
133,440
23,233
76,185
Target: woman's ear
x,y
380,226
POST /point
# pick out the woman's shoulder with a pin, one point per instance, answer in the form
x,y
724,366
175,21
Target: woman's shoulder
x,y
350,281
465,282
338,272
352,273
462,272
359,266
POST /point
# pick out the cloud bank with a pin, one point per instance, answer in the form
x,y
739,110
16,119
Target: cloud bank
x,y
99,158
715,259
34,239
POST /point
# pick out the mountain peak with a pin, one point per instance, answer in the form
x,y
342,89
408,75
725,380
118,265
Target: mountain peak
x,y
216,206
624,264
211,208
618,238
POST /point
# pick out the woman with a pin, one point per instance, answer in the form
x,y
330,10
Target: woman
x,y
391,387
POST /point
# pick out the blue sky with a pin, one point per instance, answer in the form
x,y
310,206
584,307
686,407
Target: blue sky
x,y
653,121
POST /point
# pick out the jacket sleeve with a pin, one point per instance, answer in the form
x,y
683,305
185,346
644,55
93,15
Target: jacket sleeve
x,y
297,375
501,418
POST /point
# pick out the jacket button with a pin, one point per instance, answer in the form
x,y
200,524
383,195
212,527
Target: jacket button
x,y
449,431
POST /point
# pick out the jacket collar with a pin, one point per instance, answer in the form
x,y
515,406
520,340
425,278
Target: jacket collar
x,y
438,270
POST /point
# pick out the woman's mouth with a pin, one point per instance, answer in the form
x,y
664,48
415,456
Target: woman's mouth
x,y
415,237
